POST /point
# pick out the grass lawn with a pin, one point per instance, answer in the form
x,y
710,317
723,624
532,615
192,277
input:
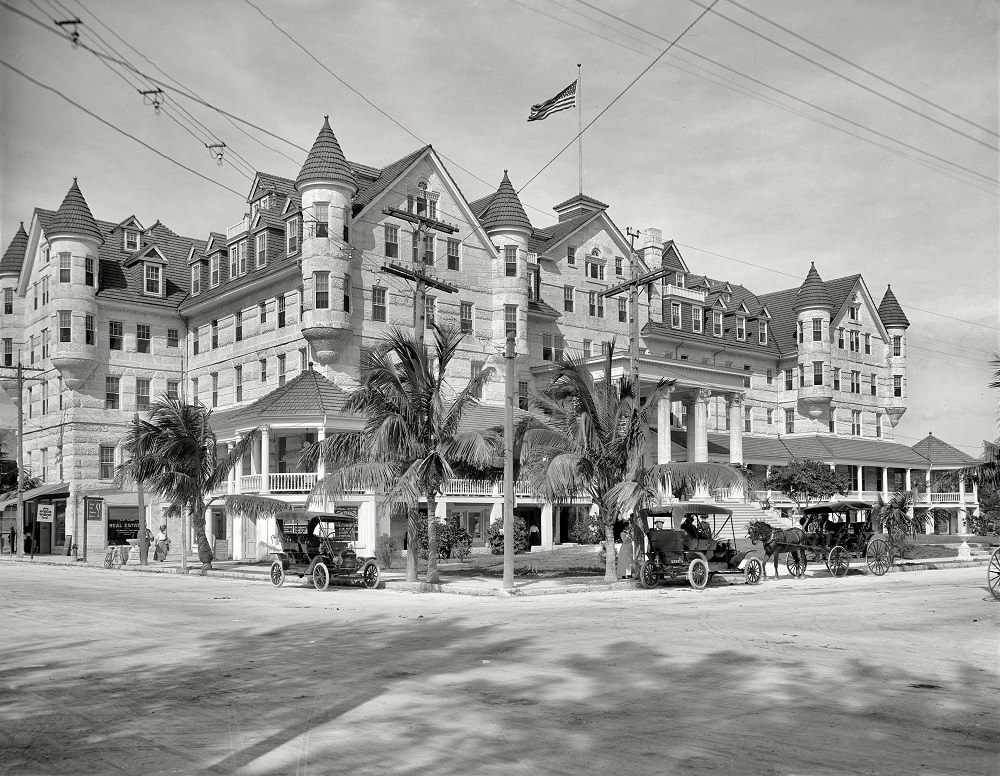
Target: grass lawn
x,y
563,562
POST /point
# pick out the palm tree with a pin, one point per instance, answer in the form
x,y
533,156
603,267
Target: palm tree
x,y
892,517
411,445
173,453
8,470
589,438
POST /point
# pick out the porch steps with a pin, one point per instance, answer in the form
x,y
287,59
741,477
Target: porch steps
x,y
745,513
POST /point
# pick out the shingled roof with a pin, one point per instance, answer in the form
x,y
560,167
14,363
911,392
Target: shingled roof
x,y
890,311
307,394
812,294
326,161
379,180
941,453
502,209
13,257
74,216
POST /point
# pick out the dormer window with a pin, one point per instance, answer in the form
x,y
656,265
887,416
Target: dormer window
x,y
679,279
741,328
131,240
154,280
195,280
696,319
261,249
762,332
716,323
292,231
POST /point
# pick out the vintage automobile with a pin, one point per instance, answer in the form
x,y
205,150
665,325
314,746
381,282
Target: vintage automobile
x,y
320,546
696,543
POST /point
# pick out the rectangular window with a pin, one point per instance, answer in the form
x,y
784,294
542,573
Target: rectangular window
x,y
107,462
430,305
142,337
836,378
675,315
112,393
770,377
172,338
741,328
817,372
428,257
856,341
153,280
65,326
619,269
45,291
131,240
465,316
213,270
378,304
840,337
32,341
569,297
321,219
45,398
522,395
868,344
292,231
281,311
8,301
45,343
594,270
801,330
234,262
173,386
855,420
8,351
115,330
697,319
243,257
855,382
558,347
571,255
454,260
510,260
874,384
65,267
281,370
391,241
347,293
762,332
88,270
817,329
592,303
852,313
878,426
142,393
263,371
716,324
238,324
196,341
897,385
215,335
788,379
546,346
770,417
474,372
262,312
802,375
321,290
215,389
238,382
747,420
789,421
510,320
897,345
88,330
194,390
261,249
622,310
587,348
195,279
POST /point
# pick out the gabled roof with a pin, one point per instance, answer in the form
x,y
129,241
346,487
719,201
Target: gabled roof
x,y
326,161
812,293
266,183
543,239
74,216
13,257
306,394
542,309
890,311
380,180
129,223
782,306
502,209
941,453
672,259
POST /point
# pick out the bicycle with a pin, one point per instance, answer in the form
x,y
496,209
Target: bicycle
x,y
115,557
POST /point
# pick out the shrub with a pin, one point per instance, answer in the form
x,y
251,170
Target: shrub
x,y
453,540
986,524
386,551
494,536
584,529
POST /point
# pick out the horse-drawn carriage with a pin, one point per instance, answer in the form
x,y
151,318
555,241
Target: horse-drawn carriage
x,y
320,546
691,545
833,532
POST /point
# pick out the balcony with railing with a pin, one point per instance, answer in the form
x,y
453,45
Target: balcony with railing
x,y
679,292
238,228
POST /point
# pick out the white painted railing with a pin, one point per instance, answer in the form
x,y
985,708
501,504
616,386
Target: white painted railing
x,y
237,229
949,498
683,293
250,483
470,488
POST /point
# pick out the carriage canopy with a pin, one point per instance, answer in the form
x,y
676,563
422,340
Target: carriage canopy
x,y
836,507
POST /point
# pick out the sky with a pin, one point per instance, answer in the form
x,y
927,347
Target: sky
x,y
861,136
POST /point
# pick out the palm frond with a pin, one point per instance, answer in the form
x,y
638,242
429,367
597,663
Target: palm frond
x,y
254,507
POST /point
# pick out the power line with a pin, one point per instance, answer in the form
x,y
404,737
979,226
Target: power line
x,y
850,80
116,129
619,96
790,96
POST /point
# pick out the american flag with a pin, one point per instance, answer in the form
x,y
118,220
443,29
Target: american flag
x,y
562,101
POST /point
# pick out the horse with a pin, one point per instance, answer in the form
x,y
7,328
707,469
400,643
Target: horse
x,y
777,541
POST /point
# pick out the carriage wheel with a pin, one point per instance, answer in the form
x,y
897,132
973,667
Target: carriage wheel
x,y
277,574
321,576
796,564
838,561
879,559
993,573
370,575
698,574
647,574
753,572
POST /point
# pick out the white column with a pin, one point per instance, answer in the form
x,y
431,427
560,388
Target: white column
x,y
265,460
885,482
909,481
701,425
238,476
734,402
548,533
861,480
962,524
689,426
320,464
231,477
663,451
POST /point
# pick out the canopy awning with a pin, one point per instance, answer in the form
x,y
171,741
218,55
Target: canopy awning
x,y
52,490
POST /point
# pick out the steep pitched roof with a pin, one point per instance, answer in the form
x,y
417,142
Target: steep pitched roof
x,y
268,183
326,161
502,209
542,239
74,216
13,257
812,292
939,452
380,180
782,305
307,394
890,311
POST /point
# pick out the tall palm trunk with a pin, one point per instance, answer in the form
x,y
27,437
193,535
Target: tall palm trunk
x,y
610,561
412,515
432,541
200,536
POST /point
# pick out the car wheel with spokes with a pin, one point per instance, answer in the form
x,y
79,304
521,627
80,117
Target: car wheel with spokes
x,y
370,575
321,576
698,574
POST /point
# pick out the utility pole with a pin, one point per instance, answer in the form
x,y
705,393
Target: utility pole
x,y
20,369
509,354
632,286
422,281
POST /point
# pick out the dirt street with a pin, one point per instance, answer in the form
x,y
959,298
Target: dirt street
x,y
114,672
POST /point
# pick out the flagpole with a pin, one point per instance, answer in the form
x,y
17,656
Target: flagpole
x,y
579,118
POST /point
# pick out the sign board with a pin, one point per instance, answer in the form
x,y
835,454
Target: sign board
x,y
221,551
95,509
123,524
45,513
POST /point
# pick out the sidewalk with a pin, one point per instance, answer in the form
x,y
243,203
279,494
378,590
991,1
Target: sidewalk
x,y
456,584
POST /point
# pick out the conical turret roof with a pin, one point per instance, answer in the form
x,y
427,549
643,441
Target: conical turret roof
x,y
13,257
890,312
504,210
74,216
812,293
326,161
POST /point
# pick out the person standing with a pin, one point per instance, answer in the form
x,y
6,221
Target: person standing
x,y
13,538
162,544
